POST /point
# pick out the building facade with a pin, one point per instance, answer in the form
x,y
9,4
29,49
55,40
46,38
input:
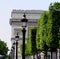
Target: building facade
x,y
15,22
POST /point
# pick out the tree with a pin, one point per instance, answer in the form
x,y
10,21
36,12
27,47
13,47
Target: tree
x,y
54,11
3,48
48,30
55,28
31,42
42,32
41,37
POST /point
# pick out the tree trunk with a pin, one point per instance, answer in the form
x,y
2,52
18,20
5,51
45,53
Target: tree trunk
x,y
56,54
37,55
51,54
46,55
33,56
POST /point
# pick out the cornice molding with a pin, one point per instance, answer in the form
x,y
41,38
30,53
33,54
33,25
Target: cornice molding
x,y
19,20
28,11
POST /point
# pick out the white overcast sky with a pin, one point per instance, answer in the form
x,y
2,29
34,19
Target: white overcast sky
x,y
6,6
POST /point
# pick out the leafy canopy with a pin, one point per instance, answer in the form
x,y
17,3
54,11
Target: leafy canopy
x,y
3,48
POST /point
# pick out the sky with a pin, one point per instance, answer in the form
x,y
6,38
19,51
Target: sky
x,y
6,7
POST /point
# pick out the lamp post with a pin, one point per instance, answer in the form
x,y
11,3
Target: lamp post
x,y
24,25
16,39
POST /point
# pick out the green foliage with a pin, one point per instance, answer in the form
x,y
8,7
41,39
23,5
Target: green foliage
x,y
31,42
3,48
21,49
48,30
54,6
55,14
27,50
42,32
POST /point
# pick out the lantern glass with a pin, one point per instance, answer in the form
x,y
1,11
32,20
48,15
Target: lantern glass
x,y
24,21
24,24
17,37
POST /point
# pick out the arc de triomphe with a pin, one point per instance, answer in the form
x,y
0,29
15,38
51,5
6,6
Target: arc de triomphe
x,y
15,22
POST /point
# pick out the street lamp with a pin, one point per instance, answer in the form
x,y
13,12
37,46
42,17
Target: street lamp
x,y
24,25
16,39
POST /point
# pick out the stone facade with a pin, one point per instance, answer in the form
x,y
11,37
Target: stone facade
x,y
15,22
